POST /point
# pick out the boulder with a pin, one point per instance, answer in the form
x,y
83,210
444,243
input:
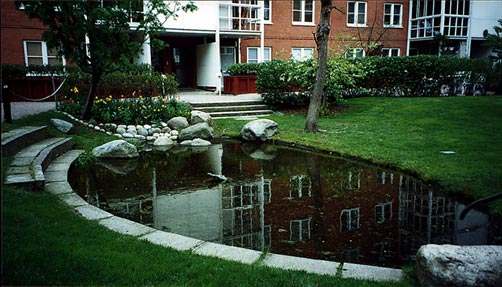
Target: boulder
x,y
452,265
178,123
142,131
116,149
62,126
120,130
198,117
163,141
263,151
259,130
200,142
202,130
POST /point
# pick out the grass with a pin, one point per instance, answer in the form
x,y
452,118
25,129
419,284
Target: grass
x,y
408,134
46,243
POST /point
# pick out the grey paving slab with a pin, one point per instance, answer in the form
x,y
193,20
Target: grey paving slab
x,y
18,170
18,178
371,272
22,161
55,176
68,157
73,199
175,241
228,252
58,167
125,226
91,212
301,264
58,187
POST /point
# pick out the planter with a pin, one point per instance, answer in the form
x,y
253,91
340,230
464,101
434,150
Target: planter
x,y
239,84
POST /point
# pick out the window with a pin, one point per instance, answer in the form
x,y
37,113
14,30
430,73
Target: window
x,y
356,14
299,230
392,16
349,219
355,53
267,11
37,53
383,212
391,52
303,12
302,54
254,52
299,186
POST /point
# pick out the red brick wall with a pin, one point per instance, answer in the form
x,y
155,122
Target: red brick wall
x,y
282,35
16,27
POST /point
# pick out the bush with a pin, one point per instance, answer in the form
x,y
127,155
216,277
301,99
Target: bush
x,y
284,83
243,69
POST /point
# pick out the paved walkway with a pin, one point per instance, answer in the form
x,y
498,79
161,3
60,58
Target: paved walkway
x,y
23,109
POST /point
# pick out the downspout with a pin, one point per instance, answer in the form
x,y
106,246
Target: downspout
x,y
261,56
219,76
469,32
409,28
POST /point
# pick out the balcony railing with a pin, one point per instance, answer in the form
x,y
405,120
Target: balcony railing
x,y
240,17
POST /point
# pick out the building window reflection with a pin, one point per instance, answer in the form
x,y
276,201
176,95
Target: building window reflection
x,y
299,229
383,212
299,186
349,219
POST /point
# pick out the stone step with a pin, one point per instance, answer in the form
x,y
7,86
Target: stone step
x,y
15,140
213,109
227,103
234,114
28,166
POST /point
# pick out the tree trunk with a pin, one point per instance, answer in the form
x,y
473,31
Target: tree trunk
x,y
86,114
321,38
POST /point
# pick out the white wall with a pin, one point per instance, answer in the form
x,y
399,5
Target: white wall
x,y
207,56
204,19
484,15
196,213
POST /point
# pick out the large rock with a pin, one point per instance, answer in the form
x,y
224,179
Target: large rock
x,y
116,149
202,130
259,130
163,141
451,265
198,117
62,126
178,123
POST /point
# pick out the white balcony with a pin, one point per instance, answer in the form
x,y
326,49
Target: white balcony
x,y
240,17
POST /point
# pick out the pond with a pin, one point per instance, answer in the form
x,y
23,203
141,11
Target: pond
x,y
283,200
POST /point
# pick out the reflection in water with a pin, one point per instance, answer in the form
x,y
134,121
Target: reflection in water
x,y
289,201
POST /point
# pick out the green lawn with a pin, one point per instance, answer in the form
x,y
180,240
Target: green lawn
x,y
45,242
408,134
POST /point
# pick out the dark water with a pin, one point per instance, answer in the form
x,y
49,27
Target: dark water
x,y
284,200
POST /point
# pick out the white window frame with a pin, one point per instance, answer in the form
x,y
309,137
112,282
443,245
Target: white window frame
x,y
45,53
348,225
387,52
303,56
265,58
381,217
300,182
392,15
354,52
269,20
299,223
302,10
356,12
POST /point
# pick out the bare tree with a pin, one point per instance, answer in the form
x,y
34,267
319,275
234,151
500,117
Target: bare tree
x,y
321,39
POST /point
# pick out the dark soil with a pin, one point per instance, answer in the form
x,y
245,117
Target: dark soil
x,y
333,110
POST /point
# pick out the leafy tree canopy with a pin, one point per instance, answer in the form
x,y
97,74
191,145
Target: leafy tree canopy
x,y
495,41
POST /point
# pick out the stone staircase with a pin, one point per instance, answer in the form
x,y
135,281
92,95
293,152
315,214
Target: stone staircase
x,y
233,109
33,152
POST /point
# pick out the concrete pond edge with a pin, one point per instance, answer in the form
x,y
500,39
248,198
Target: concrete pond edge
x,y
57,184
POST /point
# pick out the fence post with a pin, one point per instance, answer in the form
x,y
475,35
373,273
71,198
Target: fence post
x,y
6,103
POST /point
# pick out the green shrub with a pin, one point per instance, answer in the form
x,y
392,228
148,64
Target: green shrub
x,y
243,69
284,83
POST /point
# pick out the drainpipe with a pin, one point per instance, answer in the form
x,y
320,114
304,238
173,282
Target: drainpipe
x,y
469,32
262,33
218,52
410,8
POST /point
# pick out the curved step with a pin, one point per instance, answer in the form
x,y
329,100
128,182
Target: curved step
x,y
15,140
27,168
